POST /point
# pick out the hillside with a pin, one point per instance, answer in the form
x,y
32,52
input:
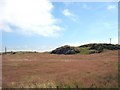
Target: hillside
x,y
86,49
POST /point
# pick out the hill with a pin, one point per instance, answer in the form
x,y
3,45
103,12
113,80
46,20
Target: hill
x,y
86,49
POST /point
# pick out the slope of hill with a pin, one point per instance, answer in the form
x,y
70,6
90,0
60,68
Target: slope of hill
x,y
86,49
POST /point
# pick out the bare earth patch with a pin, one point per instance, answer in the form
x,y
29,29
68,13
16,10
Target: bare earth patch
x,y
49,70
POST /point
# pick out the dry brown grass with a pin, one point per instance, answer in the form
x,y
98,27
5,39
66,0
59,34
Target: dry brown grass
x,y
46,70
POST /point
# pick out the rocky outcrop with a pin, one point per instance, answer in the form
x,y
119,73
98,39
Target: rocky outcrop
x,y
89,48
65,50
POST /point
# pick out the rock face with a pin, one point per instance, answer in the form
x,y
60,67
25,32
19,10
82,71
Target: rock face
x,y
65,50
93,51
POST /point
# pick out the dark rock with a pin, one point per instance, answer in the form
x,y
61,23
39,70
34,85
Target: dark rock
x,y
93,51
70,52
14,53
65,50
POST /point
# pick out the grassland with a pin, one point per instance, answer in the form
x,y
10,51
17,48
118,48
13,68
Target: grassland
x,y
44,70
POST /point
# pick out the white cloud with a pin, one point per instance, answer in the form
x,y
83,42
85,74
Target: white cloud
x,y
30,16
42,48
70,15
114,40
66,12
110,7
5,27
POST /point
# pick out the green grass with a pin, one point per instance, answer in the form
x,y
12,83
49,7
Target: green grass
x,y
84,50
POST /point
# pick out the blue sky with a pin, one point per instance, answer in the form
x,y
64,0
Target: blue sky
x,y
45,26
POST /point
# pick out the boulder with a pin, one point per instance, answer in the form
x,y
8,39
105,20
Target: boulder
x,y
93,51
65,50
70,52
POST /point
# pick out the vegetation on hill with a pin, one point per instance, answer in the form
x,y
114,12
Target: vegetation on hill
x,y
85,49
102,46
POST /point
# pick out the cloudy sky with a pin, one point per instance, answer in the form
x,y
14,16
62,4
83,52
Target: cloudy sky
x,y
42,25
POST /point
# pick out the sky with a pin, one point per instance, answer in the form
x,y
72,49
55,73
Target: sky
x,y
41,25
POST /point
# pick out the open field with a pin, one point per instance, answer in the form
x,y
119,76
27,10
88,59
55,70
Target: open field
x,y
40,70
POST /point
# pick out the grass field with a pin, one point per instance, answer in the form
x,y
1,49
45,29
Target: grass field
x,y
43,70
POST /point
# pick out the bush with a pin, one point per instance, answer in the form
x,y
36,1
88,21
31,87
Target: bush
x,y
13,52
